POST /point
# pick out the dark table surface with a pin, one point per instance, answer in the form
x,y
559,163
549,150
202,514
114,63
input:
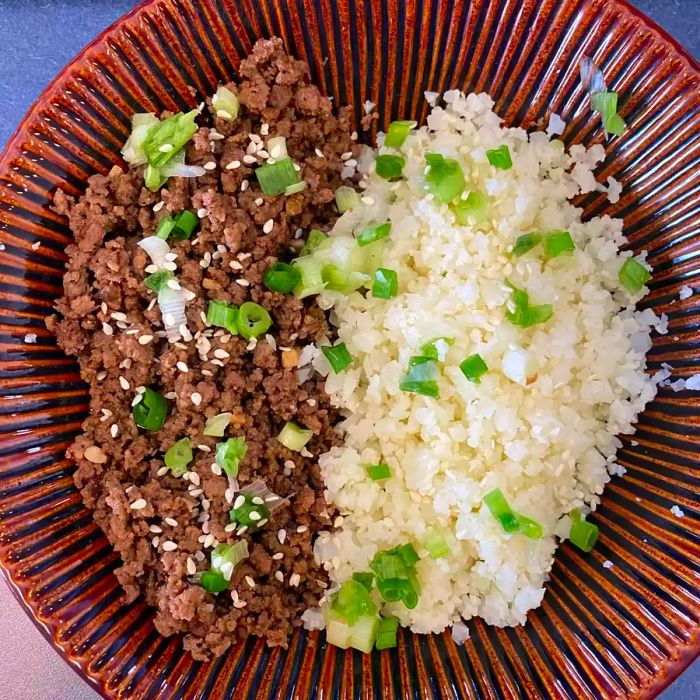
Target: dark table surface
x,y
39,38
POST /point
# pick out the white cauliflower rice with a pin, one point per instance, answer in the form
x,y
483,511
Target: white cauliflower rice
x,y
542,424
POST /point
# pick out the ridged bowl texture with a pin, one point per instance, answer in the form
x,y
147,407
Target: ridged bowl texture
x,y
624,631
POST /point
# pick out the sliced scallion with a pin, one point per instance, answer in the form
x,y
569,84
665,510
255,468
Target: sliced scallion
x,y
213,581
422,377
366,578
386,633
225,104
444,177
179,456
473,368
346,198
436,349
313,241
153,179
274,178
526,242
165,227
167,137
374,232
605,103
390,167
248,511
253,320
498,506
525,314
281,277
352,601
500,157
557,243
223,315
385,284
338,356
378,471
185,224
311,279
150,412
216,425
633,275
293,437
583,535
436,545
398,132
158,280
229,455
295,188
472,210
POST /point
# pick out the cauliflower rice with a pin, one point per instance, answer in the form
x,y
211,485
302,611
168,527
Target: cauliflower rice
x,y
541,425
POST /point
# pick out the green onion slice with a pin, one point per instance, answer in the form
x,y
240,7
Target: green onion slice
x,y
229,455
525,243
473,368
140,126
605,102
444,178
437,546
213,582
385,284
249,511
433,351
223,315
150,412
216,425
378,471
293,437
398,132
295,188
338,356
500,157
582,534
158,280
165,227
185,224
178,457
374,232
311,282
281,277
274,178
390,167
153,178
346,198
224,103
496,502
167,137
472,210
557,243
422,377
386,633
352,601
633,275
366,578
526,315
313,241
253,320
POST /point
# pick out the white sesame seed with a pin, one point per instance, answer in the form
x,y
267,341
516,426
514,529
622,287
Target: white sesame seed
x,y
191,566
155,541
150,306
230,527
215,135
118,316
249,159
199,556
352,163
250,581
114,430
35,246
103,307
228,495
221,354
242,283
171,395
240,604
206,504
259,201
138,504
252,147
319,153
302,528
241,530
262,153
169,546
145,339
174,284
216,469
211,165
272,498
279,576
171,257
204,448
151,269
182,366
257,501
170,267
158,206
194,478
209,541
252,344
264,129
254,515
224,114
268,226
294,580
281,536
166,148
235,265
353,136
346,155
195,493
171,521
233,165
201,213
154,528
196,398
244,185
162,471
124,383
311,402
240,500
100,376
107,329
289,464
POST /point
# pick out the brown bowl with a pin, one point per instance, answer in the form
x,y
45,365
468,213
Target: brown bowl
x,y
601,632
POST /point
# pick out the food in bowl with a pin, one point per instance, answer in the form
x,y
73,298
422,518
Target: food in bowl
x,y
414,460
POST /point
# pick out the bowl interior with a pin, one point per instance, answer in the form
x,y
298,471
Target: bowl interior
x,y
601,632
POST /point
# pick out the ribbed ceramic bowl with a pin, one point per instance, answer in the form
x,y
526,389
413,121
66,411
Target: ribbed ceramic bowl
x,y
601,632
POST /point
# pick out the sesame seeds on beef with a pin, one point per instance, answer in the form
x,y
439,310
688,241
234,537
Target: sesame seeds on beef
x,y
163,527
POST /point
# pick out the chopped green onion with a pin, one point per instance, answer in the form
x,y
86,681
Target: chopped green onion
x,y
407,552
496,502
437,546
213,582
293,437
473,368
605,102
386,633
249,511
435,352
366,578
253,320
472,210
529,527
223,315
444,177
342,280
164,228
277,147
186,223
216,425
153,178
229,455
397,133
385,284
500,157
179,456
352,601
390,167
274,178
374,232
224,557
167,137
338,356
360,636
311,282
633,275
615,125
582,534
225,104
524,314
281,277
150,412
422,377
346,198
525,243
133,148
295,188
556,243
396,577
158,280
378,471
313,241
338,633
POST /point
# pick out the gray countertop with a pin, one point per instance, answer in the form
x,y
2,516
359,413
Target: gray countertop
x,y
39,38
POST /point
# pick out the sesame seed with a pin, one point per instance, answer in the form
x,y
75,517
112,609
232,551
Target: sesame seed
x,y
249,159
224,114
170,267
346,155
101,375
170,257
158,206
191,566
199,556
228,495
319,153
289,464
114,430
294,580
169,546
233,165
302,528
281,536
166,148
216,469
279,576
145,339
171,395
254,515
155,529
268,225
230,527
171,521
107,329
211,165
196,492
209,540
119,316
278,555
250,581
240,500
215,135
241,530
259,201
258,501
252,147
201,213
182,366
150,269
139,504
124,383
221,354
206,372
174,284
162,471
196,398
262,153
252,344
155,541
244,185
242,283
35,246
272,499
194,478
311,402
240,604
204,448
235,265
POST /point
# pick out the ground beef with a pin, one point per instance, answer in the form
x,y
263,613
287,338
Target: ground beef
x,y
108,319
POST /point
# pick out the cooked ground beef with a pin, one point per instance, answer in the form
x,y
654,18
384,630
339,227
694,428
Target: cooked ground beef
x,y
108,319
